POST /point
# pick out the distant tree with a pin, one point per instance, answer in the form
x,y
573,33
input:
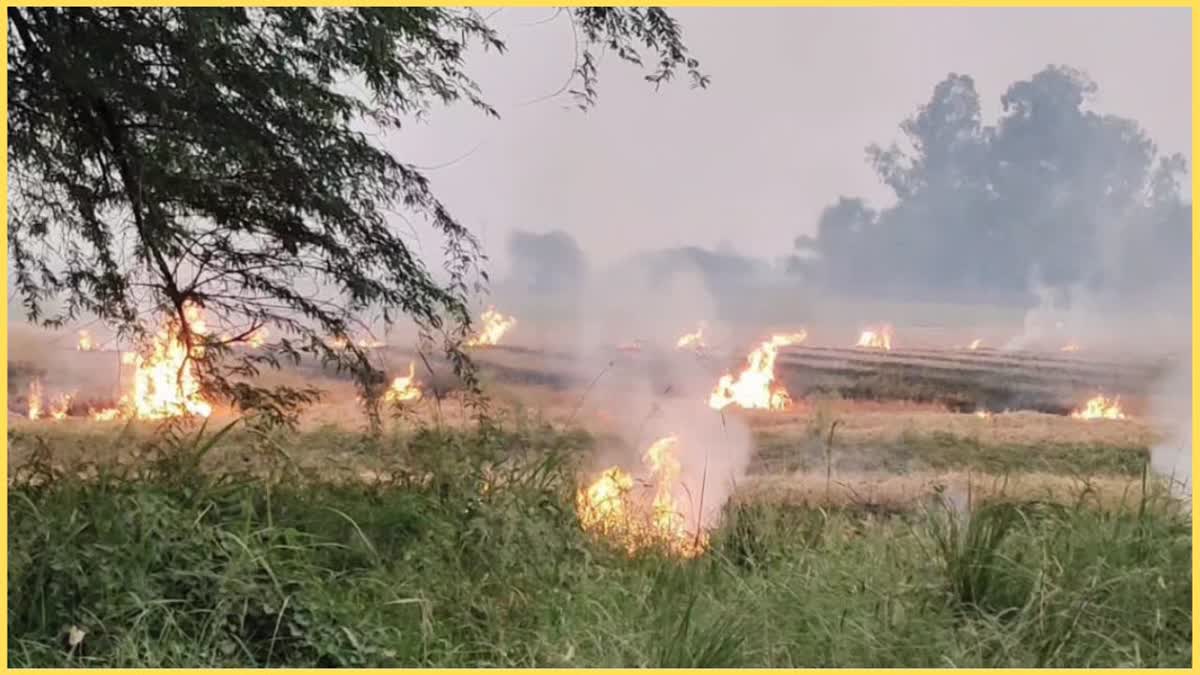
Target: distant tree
x,y
166,156
548,262
1078,196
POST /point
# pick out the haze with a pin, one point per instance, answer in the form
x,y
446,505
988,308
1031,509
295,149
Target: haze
x,y
796,95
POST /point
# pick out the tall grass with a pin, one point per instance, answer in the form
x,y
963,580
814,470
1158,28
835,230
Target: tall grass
x,y
463,549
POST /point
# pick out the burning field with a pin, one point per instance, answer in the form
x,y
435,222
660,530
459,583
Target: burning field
x,y
855,411
622,474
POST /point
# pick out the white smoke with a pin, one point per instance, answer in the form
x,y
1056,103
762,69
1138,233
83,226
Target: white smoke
x,y
1171,409
661,391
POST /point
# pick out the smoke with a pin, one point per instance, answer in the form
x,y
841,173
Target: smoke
x,y
1171,408
637,302
51,359
659,391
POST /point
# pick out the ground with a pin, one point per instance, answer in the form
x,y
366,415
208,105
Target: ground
x,y
871,526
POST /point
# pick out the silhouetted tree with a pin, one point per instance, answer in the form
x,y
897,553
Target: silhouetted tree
x,y
545,263
1077,196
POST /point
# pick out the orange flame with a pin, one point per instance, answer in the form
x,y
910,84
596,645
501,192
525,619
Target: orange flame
x,y
1100,407
62,404
164,380
975,344
611,508
85,342
104,414
403,388
35,399
754,386
693,341
257,338
362,343
876,338
1070,347
495,325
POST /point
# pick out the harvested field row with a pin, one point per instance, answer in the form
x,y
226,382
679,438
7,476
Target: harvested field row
x,y
984,358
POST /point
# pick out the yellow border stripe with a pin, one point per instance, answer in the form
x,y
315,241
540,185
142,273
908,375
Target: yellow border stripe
x,y
700,3
4,367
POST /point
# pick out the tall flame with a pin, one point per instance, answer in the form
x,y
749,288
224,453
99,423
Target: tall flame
x,y
613,508
876,338
36,407
495,325
1100,407
85,342
35,399
693,341
404,388
754,387
164,380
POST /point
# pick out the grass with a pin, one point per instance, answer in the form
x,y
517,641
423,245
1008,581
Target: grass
x,y
941,451
463,549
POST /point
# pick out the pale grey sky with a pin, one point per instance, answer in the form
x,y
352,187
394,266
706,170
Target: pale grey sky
x,y
796,94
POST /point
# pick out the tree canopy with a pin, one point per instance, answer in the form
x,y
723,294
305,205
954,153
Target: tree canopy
x,y
549,262
166,157
1053,192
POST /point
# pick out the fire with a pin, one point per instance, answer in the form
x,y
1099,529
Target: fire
x,y
258,338
495,325
975,344
1070,347
1100,407
62,404
754,386
164,381
876,338
404,388
85,342
641,514
362,343
634,346
693,341
35,399
58,409
105,414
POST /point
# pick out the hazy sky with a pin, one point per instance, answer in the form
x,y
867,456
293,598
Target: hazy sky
x,y
796,94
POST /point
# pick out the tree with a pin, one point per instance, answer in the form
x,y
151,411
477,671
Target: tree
x,y
547,262
1053,189
166,157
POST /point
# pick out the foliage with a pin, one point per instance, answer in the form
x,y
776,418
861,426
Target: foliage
x,y
473,556
1053,192
223,157
547,262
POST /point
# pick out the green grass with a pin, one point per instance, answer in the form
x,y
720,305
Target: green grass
x,y
472,556
940,451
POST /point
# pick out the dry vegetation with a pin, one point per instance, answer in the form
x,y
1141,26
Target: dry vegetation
x,y
873,526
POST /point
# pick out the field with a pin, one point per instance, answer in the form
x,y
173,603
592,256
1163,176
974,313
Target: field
x,y
916,507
